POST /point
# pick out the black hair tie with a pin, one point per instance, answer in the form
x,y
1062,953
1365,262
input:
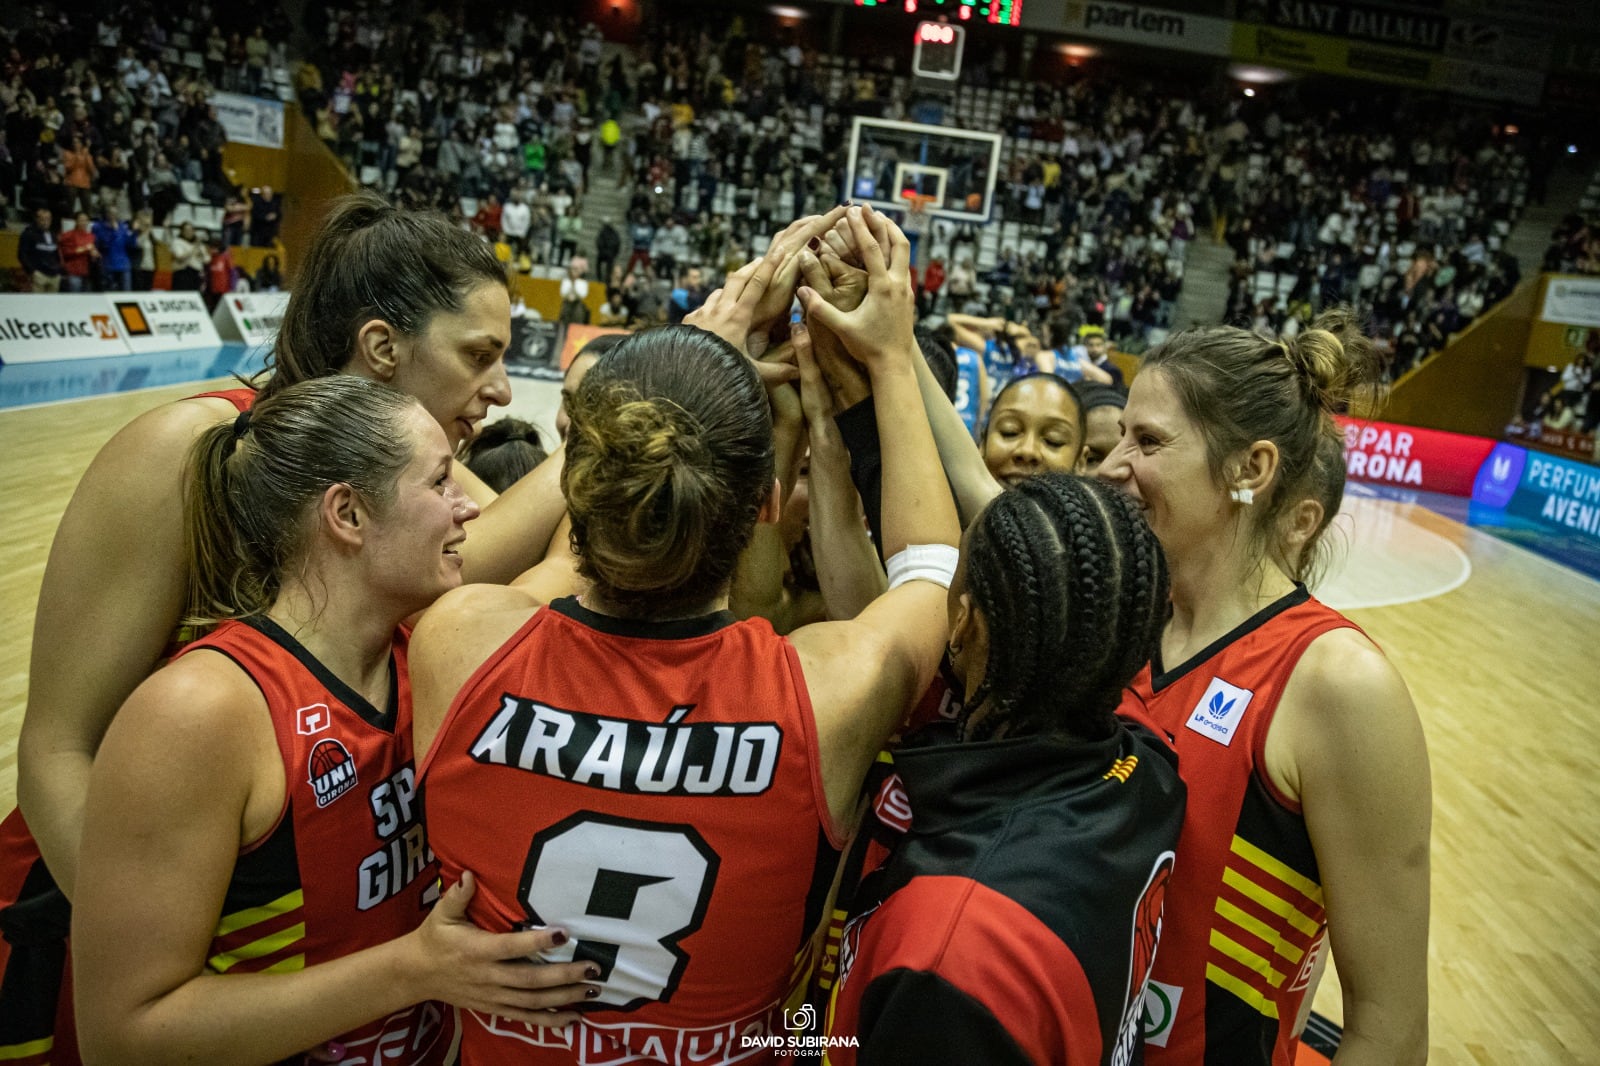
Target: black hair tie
x,y
241,425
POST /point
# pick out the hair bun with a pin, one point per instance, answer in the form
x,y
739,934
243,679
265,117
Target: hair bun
x,y
1333,357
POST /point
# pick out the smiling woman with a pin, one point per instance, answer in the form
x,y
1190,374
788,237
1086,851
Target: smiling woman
x,y
316,523
1036,425
1306,766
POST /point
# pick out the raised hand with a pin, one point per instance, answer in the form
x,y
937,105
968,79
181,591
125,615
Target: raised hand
x,y
730,311
878,333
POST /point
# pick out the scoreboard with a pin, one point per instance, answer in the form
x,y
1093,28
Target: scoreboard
x,y
997,12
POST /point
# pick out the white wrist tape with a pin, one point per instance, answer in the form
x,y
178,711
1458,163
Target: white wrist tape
x,y
924,562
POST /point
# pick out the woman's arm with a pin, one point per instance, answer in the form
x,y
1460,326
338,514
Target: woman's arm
x,y
511,533
963,464
863,675
190,770
1347,743
848,569
112,597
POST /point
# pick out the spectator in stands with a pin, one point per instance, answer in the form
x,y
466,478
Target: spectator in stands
x,y
119,249
188,251
219,273
613,312
607,245
78,174
144,266
569,227
269,278
266,215
78,255
574,291
235,213
515,220
689,294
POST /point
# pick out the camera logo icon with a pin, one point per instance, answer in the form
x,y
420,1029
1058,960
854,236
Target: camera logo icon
x,y
803,1019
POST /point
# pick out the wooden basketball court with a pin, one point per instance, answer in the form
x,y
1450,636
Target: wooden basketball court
x,y
1501,649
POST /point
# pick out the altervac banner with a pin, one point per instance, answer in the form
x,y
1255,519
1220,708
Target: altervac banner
x,y
49,327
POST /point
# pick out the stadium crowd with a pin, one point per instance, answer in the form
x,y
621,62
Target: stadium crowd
x,y
110,142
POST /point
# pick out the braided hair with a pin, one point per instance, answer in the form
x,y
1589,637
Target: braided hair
x,y
1073,587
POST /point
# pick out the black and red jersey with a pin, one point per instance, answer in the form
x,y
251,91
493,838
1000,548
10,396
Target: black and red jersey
x,y
653,789
347,865
885,820
1018,918
1245,917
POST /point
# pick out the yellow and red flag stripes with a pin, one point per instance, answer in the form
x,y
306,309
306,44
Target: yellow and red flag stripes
x,y
1268,918
261,939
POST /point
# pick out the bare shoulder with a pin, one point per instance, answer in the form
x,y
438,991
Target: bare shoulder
x,y
154,445
1346,706
473,613
194,707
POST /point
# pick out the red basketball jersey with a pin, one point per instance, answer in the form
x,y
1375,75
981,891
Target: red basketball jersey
x,y
1244,920
241,398
653,789
347,866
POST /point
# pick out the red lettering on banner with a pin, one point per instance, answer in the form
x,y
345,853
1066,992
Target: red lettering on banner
x,y
1412,457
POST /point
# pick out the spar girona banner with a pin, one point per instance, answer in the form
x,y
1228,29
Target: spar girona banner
x,y
1413,458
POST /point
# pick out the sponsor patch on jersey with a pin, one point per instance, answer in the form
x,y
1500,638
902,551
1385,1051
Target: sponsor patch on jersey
x,y
1160,1010
1220,711
311,720
331,770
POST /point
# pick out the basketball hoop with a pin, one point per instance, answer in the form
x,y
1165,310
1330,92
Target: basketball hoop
x,y
916,222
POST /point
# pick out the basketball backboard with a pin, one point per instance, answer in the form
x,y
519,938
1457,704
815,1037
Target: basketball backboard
x,y
958,167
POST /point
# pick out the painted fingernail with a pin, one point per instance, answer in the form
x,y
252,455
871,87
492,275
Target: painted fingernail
x,y
558,937
336,1050
815,244
591,992
592,973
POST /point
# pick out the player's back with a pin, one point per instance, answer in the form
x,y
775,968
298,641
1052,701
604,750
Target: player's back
x,y
653,789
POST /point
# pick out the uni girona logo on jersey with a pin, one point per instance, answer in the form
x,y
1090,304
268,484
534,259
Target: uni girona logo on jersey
x,y
332,771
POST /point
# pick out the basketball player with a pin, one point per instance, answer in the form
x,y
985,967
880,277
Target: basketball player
x,y
266,774
667,784
1307,770
1017,919
1036,423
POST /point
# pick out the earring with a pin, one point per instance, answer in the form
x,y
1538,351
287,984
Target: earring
x,y
952,649
1246,496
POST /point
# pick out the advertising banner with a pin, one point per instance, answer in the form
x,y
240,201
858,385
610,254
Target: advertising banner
x,y
250,119
1152,26
250,317
1410,457
1572,301
40,328
578,335
163,321
1365,22
1548,504
1328,55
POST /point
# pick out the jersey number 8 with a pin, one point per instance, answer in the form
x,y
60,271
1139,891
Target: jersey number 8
x,y
627,891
